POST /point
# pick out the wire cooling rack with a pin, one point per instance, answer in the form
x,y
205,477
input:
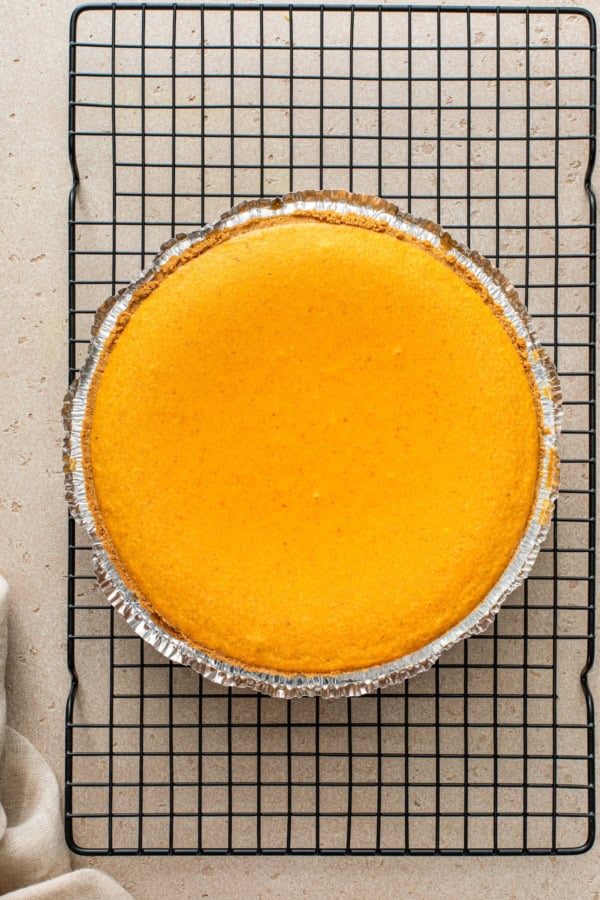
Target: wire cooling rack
x,y
483,120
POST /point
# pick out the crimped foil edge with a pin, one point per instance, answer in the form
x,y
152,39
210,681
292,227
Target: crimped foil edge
x,y
357,682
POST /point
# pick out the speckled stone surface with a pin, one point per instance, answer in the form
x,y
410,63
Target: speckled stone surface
x,y
35,180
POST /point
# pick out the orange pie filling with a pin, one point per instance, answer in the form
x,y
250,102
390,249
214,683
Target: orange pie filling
x,y
311,447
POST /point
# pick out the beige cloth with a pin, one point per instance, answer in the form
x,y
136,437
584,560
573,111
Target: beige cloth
x,y
34,859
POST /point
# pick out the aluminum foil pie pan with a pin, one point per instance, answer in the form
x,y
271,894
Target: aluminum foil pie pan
x,y
368,680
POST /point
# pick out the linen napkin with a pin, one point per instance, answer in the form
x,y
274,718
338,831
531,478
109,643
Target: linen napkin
x,y
35,863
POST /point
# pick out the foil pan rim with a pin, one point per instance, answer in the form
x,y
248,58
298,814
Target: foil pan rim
x,y
350,683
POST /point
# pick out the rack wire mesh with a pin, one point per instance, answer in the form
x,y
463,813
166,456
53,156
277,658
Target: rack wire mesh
x,y
483,120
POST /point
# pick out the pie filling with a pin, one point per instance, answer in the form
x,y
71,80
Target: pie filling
x,y
311,447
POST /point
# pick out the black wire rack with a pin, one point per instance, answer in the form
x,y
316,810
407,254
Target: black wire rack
x,y
483,120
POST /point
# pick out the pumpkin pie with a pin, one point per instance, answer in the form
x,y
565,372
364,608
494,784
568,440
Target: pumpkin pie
x,y
311,444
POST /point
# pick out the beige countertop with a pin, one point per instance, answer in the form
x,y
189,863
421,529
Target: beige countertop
x,y
35,182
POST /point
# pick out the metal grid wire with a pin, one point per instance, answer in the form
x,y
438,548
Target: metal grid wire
x,y
485,122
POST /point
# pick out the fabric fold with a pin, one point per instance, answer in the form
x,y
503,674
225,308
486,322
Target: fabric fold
x,y
34,860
